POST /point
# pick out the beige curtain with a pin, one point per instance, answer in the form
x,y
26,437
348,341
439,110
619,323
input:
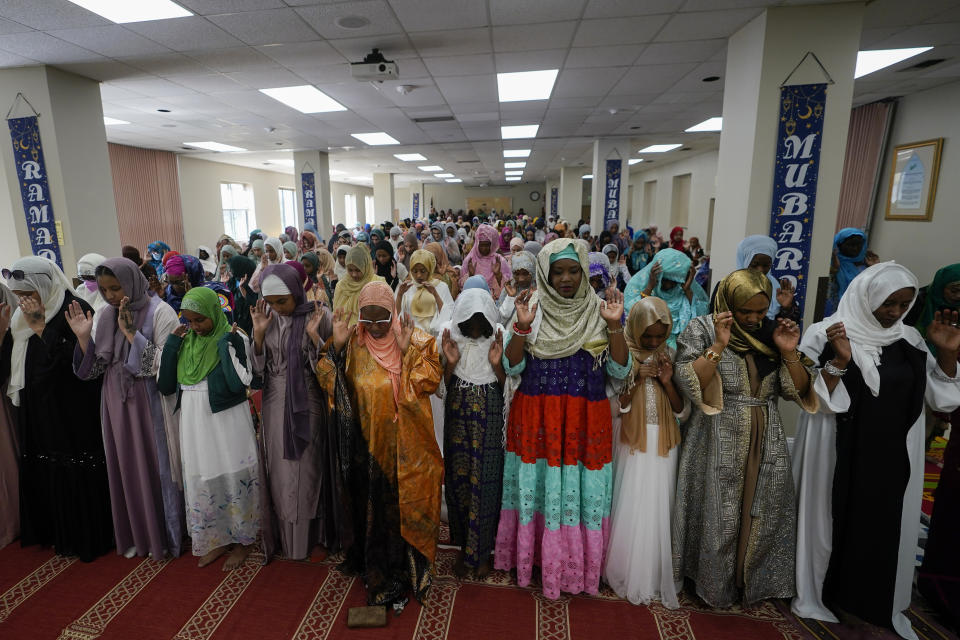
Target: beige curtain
x,y
146,188
865,142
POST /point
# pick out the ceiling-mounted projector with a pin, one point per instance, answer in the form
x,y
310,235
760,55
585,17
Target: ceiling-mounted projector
x,y
374,68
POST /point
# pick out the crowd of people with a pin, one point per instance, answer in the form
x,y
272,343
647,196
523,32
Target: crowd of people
x,y
589,408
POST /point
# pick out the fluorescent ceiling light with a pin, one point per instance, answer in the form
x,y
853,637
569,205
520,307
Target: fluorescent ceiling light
x,y
111,121
634,161
304,98
870,61
514,178
516,153
514,165
526,85
710,124
454,180
336,172
376,138
214,146
443,175
409,157
123,11
513,173
519,131
431,168
588,177
660,148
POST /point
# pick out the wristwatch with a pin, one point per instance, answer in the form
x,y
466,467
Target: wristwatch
x,y
712,356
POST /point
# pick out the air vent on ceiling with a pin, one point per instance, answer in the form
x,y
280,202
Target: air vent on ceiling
x,y
434,119
468,161
926,64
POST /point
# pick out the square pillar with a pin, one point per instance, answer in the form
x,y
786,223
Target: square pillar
x,y
609,191
319,163
382,197
571,194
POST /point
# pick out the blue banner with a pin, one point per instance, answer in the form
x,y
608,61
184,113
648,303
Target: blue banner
x,y
416,205
309,187
34,188
554,197
796,168
611,194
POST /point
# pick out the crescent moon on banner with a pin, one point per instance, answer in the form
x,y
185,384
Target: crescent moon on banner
x,y
808,114
24,147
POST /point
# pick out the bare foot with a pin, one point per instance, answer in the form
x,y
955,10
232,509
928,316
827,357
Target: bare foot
x,y
459,569
237,556
212,555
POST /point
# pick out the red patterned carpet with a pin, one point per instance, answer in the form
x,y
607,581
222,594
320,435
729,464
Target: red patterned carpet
x,y
44,596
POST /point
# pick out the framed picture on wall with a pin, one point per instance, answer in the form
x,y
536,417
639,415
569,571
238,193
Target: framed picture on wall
x,y
913,180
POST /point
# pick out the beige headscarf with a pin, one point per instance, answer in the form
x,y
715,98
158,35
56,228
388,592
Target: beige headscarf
x,y
424,305
347,293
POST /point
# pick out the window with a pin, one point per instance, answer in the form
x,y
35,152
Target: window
x,y
368,207
350,205
239,218
288,207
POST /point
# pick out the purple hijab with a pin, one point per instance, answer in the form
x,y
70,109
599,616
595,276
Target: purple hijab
x,y
111,344
296,410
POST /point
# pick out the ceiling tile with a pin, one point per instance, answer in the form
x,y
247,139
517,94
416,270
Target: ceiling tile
x,y
266,27
425,94
617,56
608,31
266,78
924,35
299,55
50,15
529,60
652,78
206,82
185,34
511,12
693,81
355,95
467,88
522,38
393,47
8,59
460,65
234,59
452,43
100,71
431,15
705,25
45,48
671,52
323,19
572,103
711,5
890,13
109,93
167,64
208,7
598,81
9,26
326,74
114,41
154,87
628,8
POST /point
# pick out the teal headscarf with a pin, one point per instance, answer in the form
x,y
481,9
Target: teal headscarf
x,y
935,301
199,355
675,265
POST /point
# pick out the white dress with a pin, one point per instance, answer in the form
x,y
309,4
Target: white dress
x,y
814,463
221,479
639,561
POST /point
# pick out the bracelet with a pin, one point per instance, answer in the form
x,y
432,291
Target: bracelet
x,y
833,370
614,331
712,356
519,332
797,353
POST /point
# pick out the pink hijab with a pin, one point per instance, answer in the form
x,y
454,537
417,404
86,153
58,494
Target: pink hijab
x,y
484,264
386,350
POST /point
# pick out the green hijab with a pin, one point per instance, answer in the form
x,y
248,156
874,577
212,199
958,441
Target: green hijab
x,y
199,355
935,300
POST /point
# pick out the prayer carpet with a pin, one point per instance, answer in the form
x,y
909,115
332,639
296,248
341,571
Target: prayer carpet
x,y
43,596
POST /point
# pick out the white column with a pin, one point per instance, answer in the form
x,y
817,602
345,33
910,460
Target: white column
x,y
759,58
382,197
571,194
319,163
602,192
77,164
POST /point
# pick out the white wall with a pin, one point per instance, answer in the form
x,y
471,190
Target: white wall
x,y
454,196
338,190
924,247
703,186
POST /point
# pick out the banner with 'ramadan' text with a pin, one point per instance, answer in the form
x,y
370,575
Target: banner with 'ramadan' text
x,y
34,188
308,185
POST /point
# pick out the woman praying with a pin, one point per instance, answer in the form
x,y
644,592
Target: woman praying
x,y
484,260
358,272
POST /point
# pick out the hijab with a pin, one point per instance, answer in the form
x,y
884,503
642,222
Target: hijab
x,y
277,248
483,265
291,248
326,263
531,246
676,244
599,266
848,267
314,261
386,350
752,246
292,234
200,355
209,266
46,278
935,300
450,243
476,282
423,305
347,294
867,336
506,235
633,432
87,289
297,266
240,266
296,410
474,364
733,292
566,325
443,264
157,247
525,261
383,270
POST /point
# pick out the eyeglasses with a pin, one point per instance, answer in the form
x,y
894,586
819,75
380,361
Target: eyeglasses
x,y
20,274
369,322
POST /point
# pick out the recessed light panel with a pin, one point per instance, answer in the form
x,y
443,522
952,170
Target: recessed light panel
x,y
870,61
634,161
526,85
409,157
710,124
587,177
513,173
376,138
443,175
112,121
516,153
304,98
431,168
454,180
519,131
660,148
214,146
124,11
514,165
514,178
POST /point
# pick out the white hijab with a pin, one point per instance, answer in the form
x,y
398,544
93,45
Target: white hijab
x,y
46,278
474,366
277,248
87,266
867,337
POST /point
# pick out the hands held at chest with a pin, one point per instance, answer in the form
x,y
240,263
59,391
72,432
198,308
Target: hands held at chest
x,y
787,336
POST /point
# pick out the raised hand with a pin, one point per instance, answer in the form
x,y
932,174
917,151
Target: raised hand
x,y
496,349
5,314
497,271
406,332
80,323
622,259
341,328
654,280
722,323
786,336
264,261
692,271
471,268
837,335
666,369
34,314
525,312
511,288
404,287
393,269
243,283
313,324
450,349
181,331
612,309
125,320
944,332
261,316
785,294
